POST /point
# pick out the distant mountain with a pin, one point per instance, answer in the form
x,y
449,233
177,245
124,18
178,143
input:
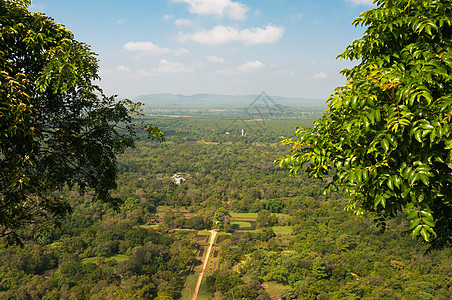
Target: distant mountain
x,y
225,101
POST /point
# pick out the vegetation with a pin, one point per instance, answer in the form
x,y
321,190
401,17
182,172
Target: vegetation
x,y
387,134
57,128
280,236
152,247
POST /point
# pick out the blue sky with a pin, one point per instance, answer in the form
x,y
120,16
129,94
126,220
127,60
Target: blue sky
x,y
283,47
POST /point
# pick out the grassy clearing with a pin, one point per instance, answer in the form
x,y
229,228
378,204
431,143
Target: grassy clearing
x,y
242,224
203,294
282,230
243,216
204,232
118,258
190,285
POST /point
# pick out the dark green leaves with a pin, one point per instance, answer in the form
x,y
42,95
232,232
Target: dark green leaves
x,y
392,120
58,130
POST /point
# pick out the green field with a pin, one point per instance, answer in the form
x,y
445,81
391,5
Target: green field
x,y
203,295
204,232
190,285
243,216
282,230
242,224
243,221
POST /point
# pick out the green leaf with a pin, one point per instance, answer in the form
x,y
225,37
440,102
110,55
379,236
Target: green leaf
x,y
418,136
416,230
414,223
412,214
424,178
425,234
390,183
385,145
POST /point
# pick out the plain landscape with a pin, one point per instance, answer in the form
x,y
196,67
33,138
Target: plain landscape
x,y
210,164
277,236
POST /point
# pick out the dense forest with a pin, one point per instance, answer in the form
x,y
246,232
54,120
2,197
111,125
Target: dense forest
x,y
149,248
94,207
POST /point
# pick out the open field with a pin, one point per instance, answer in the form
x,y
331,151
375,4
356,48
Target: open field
x,y
203,295
189,286
241,225
243,216
246,222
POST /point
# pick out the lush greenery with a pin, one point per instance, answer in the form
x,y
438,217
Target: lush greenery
x,y
280,236
141,252
387,133
57,128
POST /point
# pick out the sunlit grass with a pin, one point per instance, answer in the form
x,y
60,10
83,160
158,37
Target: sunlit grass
x,y
96,259
282,230
242,224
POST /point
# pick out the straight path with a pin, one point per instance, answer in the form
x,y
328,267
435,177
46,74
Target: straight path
x,y
213,234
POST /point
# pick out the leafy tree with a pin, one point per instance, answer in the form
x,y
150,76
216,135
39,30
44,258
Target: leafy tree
x,y
274,205
221,217
265,219
387,134
266,234
57,128
318,268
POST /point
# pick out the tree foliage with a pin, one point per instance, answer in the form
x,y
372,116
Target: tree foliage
x,y
386,136
57,128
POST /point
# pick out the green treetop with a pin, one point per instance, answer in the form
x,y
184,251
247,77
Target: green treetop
x,y
387,135
57,128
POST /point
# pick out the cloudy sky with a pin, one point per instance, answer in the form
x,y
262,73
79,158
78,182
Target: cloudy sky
x,y
283,47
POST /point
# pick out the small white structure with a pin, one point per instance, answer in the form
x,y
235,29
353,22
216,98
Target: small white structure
x,y
178,179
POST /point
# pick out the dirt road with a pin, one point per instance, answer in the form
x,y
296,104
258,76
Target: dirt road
x,y
213,234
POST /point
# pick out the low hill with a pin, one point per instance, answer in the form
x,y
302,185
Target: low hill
x,y
227,101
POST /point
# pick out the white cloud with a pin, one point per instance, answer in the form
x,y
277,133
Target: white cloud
x,y
168,17
216,59
183,22
363,2
165,67
231,9
251,66
320,75
152,49
122,69
170,67
224,34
